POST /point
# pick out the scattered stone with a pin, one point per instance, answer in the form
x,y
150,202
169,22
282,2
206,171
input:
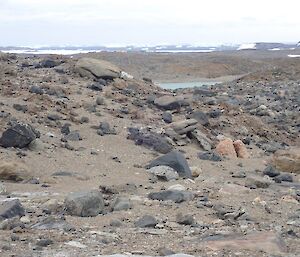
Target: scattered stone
x,y
284,177
257,182
115,223
196,171
201,117
72,136
11,208
20,107
149,139
147,221
18,135
167,117
36,90
84,204
122,204
100,100
171,195
53,222
44,242
210,156
3,189
175,160
185,219
76,244
164,173
271,171
36,145
105,129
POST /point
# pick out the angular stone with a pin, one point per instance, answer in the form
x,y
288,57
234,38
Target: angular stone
x,y
11,208
18,135
175,160
84,204
204,142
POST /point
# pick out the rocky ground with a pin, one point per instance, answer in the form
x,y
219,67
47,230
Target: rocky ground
x,y
95,162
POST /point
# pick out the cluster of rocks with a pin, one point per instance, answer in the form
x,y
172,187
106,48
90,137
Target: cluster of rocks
x,y
198,158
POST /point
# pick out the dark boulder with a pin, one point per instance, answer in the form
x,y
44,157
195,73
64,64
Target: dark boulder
x,y
18,135
175,160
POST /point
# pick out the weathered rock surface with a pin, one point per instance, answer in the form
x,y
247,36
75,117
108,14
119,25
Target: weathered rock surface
x,y
88,67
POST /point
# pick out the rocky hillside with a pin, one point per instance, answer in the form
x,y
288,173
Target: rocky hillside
x,y
94,161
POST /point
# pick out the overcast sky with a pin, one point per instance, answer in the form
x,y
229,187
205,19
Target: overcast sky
x,y
147,22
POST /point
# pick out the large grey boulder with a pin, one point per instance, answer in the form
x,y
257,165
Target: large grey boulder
x,y
18,135
84,204
168,102
10,209
89,67
175,160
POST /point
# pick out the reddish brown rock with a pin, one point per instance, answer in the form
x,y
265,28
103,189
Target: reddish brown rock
x,y
241,149
226,148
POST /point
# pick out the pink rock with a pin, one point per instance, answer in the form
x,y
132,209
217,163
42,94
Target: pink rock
x,y
241,149
226,148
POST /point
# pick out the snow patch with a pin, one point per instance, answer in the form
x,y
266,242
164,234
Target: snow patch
x,y
247,46
294,55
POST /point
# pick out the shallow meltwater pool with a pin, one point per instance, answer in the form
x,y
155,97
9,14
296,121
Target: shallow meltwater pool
x,y
177,85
